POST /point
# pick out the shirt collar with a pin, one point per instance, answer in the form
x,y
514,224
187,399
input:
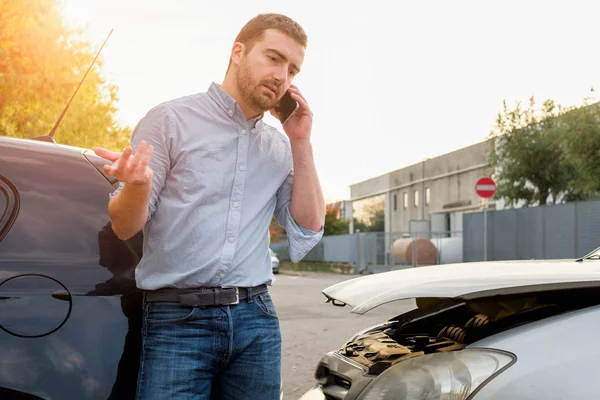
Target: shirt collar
x,y
230,106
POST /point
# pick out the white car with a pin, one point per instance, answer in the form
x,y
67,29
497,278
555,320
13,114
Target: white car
x,y
518,330
274,261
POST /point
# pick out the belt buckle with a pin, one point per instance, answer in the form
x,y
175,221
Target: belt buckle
x,y
237,296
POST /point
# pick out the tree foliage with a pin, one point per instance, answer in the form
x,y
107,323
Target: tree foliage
x,y
369,214
545,154
375,222
41,63
581,146
334,225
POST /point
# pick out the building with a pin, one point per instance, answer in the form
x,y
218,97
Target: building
x,y
343,209
431,195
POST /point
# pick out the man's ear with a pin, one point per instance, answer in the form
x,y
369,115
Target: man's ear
x,y
237,52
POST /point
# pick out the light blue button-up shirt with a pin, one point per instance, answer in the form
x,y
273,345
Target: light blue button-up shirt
x,y
218,180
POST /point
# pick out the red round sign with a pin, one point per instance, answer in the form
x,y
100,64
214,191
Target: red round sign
x,y
485,187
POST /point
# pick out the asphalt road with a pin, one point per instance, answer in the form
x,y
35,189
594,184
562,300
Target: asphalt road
x,y
310,327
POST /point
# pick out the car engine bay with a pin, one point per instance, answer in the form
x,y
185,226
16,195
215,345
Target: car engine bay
x,y
438,325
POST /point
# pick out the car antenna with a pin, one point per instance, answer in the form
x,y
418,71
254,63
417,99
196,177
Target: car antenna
x,y
50,137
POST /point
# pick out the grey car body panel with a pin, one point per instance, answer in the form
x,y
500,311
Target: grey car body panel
x,y
557,358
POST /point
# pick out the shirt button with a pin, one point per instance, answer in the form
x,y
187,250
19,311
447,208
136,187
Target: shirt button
x,y
242,168
235,205
231,239
221,276
230,112
243,131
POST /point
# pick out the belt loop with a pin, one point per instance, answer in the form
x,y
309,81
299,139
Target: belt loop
x,y
216,294
249,295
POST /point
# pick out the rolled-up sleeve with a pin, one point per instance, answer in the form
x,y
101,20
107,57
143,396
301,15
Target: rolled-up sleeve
x,y
300,239
156,129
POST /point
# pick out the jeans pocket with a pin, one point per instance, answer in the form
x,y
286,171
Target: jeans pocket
x,y
166,313
265,305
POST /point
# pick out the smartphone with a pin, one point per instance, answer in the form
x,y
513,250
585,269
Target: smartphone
x,y
285,107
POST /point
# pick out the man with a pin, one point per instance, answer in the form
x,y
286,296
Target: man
x,y
206,178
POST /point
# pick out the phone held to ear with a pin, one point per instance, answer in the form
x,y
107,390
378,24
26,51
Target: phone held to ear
x,y
285,107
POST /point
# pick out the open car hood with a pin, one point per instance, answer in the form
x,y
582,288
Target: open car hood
x,y
464,281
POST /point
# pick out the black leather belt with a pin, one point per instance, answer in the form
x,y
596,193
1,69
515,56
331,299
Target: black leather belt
x,y
203,297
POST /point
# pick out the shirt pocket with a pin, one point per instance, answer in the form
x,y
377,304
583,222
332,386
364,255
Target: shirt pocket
x,y
203,175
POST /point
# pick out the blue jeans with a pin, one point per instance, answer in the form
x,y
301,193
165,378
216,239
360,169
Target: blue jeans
x,y
224,353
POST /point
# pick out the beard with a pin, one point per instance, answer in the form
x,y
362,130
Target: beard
x,y
251,90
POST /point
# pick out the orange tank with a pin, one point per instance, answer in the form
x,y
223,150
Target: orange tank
x,y
424,252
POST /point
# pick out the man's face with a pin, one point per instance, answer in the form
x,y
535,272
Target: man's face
x,y
266,72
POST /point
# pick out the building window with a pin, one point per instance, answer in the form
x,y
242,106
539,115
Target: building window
x,y
416,198
405,200
369,214
427,196
395,202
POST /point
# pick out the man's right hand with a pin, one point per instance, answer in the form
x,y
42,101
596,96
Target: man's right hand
x,y
126,167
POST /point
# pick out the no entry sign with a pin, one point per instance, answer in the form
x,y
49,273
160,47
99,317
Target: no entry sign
x,y
485,187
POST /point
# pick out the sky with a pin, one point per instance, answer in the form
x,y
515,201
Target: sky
x,y
390,83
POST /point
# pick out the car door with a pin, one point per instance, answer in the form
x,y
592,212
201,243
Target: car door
x,y
70,313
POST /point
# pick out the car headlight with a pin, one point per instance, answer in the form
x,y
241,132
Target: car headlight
x,y
439,376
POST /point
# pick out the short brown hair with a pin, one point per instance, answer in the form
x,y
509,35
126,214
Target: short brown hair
x,y
254,29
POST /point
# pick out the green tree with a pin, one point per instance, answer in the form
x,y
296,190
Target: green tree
x,y
375,223
334,225
369,214
581,146
528,154
41,63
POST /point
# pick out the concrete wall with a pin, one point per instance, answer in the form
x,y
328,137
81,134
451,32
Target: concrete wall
x,y
370,187
450,179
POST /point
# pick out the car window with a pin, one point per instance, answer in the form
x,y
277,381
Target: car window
x,y
62,210
99,164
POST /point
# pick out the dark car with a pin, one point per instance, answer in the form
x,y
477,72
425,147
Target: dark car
x,y
70,313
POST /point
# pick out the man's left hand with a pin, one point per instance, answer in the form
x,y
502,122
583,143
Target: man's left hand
x,y
299,125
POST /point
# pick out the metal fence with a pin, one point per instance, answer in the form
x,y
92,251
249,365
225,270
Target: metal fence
x,y
375,251
549,232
